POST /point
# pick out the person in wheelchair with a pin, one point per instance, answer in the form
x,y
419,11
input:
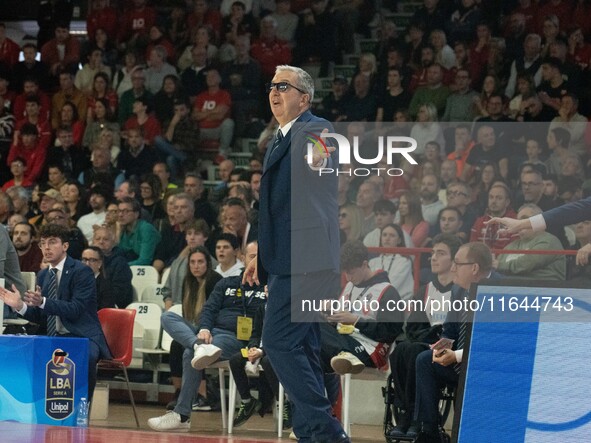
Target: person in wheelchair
x,y
422,329
441,364
361,336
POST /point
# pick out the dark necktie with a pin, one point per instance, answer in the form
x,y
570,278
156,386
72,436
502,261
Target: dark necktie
x,y
463,326
276,142
52,295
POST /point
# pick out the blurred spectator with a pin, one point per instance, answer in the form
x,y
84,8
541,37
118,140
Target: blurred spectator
x,y
122,80
143,120
287,22
102,171
212,112
56,176
427,129
444,54
28,147
98,197
158,69
100,119
362,104
135,25
102,16
333,106
411,218
459,106
137,158
430,203
193,77
434,92
18,167
68,93
165,98
570,119
93,257
138,237
269,50
150,192
9,50
350,223
73,158
158,37
201,37
29,68
203,15
458,197
499,205
530,62
61,53
52,14
176,28
129,97
486,150
31,88
193,185
85,77
29,254
462,23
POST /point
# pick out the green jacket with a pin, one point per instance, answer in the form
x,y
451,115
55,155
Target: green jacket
x,y
142,241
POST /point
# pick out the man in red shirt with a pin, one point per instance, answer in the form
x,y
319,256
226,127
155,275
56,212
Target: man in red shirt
x,y
9,50
135,25
499,205
103,17
268,50
62,52
31,87
212,112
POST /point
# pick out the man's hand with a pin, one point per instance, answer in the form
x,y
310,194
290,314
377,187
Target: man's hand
x,y
254,354
251,275
319,157
34,298
441,344
510,225
444,358
343,317
583,255
205,335
12,298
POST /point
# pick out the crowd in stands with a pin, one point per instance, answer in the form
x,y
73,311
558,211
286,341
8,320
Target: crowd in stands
x,y
110,135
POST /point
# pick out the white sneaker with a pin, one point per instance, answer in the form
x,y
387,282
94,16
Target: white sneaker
x,y
292,436
346,363
205,355
171,421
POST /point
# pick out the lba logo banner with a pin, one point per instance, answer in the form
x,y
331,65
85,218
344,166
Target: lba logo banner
x,y
59,385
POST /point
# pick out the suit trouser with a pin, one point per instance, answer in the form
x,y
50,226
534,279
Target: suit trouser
x,y
403,366
94,354
294,351
186,334
431,377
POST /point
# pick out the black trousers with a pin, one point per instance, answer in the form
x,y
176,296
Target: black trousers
x,y
331,343
403,366
268,382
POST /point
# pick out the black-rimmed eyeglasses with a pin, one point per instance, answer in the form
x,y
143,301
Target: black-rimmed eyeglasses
x,y
282,87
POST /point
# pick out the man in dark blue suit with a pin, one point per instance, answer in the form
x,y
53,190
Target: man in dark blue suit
x,y
72,312
298,252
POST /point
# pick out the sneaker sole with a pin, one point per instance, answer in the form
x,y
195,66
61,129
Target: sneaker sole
x,y
183,429
203,362
344,366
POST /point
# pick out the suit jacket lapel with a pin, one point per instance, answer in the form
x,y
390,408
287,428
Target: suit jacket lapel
x,y
283,148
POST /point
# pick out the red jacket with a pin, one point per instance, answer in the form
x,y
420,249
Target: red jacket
x,y
9,52
105,19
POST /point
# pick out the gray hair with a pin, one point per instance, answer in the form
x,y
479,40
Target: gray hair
x,y
186,197
20,192
304,80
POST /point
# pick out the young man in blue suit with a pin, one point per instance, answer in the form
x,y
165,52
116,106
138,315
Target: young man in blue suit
x,y
298,251
70,309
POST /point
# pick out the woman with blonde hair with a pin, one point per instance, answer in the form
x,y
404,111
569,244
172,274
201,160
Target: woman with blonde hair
x,y
350,222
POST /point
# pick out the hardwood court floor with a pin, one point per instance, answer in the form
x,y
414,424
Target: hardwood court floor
x,y
206,427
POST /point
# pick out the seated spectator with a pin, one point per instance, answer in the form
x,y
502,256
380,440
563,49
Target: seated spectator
x,y
28,147
101,89
94,259
427,129
122,81
196,234
374,331
56,177
102,171
34,116
485,151
193,185
161,170
444,54
29,254
269,50
411,218
115,265
69,117
85,77
267,379
422,329
212,112
459,106
150,192
398,267
211,336
458,196
362,105
61,53
18,167
69,155
75,199
384,212
21,201
227,249
442,363
582,270
77,241
102,16
525,88
99,195
68,93
29,68
179,138
533,150
367,195
395,98
433,92
138,157
158,37
138,237
202,15
166,96
570,119
9,50
135,25
143,119
483,181
234,220
350,223
532,266
287,22
99,119
236,22
499,205
138,91
107,46
193,76
202,37
173,238
333,106
31,88
47,199
158,69
529,62
430,203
